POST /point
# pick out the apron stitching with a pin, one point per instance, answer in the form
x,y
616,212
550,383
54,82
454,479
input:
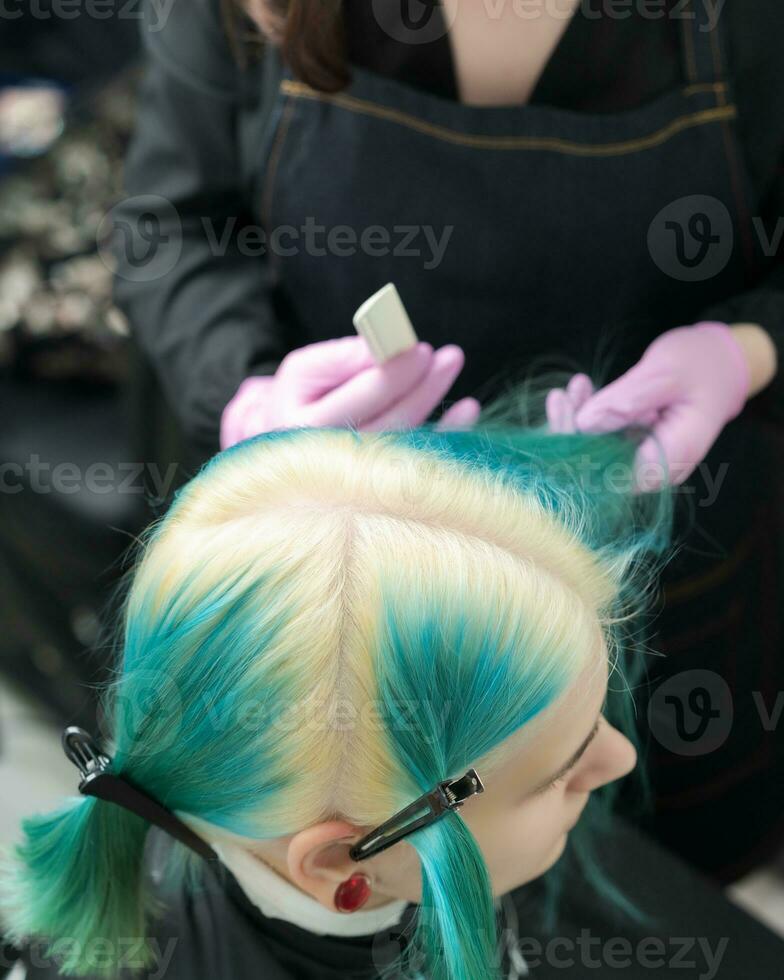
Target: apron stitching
x,y
731,154
718,65
274,158
353,104
688,50
718,87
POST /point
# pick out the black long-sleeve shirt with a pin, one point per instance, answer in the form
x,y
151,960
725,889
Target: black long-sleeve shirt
x,y
207,317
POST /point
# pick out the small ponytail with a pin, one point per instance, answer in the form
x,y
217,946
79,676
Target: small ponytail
x,y
456,935
76,881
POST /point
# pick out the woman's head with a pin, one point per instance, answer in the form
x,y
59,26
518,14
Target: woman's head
x,y
534,794
326,624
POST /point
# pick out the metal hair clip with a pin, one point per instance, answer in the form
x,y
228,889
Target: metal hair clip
x,y
447,795
97,781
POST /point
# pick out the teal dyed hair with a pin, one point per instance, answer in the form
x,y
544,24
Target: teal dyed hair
x,y
318,568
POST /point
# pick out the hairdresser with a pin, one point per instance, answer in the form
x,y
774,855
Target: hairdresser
x,y
598,186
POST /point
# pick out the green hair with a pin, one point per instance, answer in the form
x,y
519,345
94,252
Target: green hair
x,y
309,567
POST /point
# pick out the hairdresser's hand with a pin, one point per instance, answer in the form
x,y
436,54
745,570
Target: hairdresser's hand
x,y
337,383
688,384
563,404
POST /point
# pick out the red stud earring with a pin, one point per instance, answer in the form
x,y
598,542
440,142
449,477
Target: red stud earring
x,y
352,893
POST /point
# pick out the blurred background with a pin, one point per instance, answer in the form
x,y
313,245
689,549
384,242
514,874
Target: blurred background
x,y
89,452
79,410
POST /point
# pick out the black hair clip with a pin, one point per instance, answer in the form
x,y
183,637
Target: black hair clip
x,y
97,781
447,795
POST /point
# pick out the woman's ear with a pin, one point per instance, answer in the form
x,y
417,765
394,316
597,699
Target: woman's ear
x,y
318,859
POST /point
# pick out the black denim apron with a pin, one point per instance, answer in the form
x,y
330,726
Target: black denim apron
x,y
536,236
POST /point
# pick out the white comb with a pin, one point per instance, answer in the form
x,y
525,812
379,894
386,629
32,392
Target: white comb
x,y
383,322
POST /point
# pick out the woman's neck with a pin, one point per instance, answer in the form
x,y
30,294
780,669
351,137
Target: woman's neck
x,y
500,48
278,898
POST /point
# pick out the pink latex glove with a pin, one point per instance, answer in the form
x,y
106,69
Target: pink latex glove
x,y
688,384
338,382
563,404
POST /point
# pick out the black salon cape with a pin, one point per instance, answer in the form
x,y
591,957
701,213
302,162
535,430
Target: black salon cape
x,y
220,935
